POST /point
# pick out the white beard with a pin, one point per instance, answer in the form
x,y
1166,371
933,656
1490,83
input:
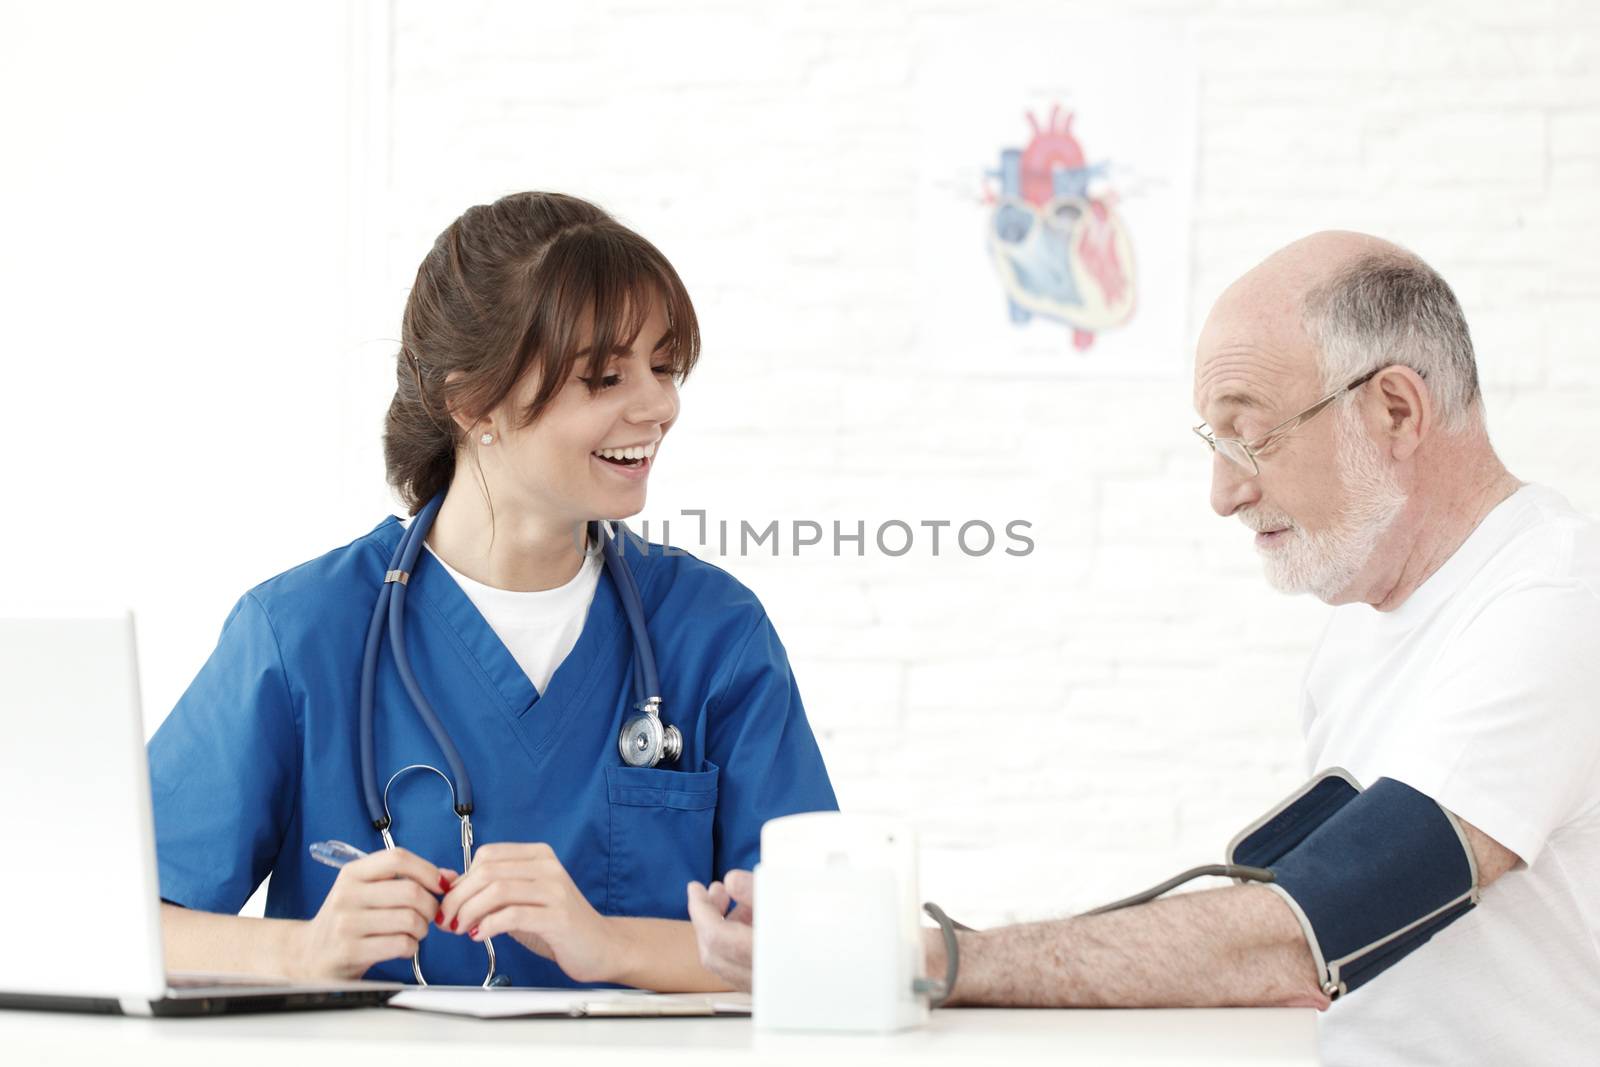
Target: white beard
x,y
1325,562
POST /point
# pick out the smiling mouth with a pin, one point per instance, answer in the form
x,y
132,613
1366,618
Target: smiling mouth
x,y
632,456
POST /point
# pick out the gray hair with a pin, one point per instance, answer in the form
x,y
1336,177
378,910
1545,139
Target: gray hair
x,y
1391,307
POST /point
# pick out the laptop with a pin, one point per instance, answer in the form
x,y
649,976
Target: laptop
x,y
80,886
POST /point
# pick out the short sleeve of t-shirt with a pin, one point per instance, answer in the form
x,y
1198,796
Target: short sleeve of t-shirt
x,y
1507,735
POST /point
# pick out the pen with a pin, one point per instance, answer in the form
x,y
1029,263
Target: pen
x,y
335,853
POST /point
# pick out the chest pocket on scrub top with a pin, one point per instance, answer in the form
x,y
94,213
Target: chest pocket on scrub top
x,y
661,837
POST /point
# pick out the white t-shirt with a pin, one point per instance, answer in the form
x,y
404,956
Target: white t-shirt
x,y
538,628
1482,690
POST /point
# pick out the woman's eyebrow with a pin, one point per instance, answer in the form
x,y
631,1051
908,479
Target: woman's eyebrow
x,y
623,350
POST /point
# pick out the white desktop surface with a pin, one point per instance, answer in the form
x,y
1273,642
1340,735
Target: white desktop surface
x,y
1250,1037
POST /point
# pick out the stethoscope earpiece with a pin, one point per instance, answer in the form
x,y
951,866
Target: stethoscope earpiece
x,y
492,979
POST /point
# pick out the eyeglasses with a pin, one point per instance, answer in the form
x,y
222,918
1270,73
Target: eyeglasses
x,y
1242,454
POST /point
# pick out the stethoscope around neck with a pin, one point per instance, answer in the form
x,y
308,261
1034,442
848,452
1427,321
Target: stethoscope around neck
x,y
644,741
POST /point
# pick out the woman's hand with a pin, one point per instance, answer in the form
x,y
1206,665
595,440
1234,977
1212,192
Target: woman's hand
x,y
378,909
524,891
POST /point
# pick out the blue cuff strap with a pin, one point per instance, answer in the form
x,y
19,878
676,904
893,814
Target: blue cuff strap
x,y
1371,875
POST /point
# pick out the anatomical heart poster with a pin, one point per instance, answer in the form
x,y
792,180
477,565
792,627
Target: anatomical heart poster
x,y
1054,191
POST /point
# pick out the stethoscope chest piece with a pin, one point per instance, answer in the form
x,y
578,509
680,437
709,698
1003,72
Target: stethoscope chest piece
x,y
645,741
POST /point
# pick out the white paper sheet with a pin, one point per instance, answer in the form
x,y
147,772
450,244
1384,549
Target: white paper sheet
x,y
572,1003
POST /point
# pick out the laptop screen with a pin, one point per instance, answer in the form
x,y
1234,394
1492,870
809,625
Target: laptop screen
x,y
75,822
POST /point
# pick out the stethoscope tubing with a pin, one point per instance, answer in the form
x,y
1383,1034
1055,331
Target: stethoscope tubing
x,y
412,547
646,683
388,613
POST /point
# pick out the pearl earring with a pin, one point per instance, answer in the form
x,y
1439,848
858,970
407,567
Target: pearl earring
x,y
486,439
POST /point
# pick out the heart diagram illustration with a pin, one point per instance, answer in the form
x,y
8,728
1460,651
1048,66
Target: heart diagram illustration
x,y
1061,250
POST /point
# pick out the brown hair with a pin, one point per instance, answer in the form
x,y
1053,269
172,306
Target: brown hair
x,y
506,289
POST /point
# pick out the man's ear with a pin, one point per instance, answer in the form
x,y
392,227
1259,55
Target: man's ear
x,y
1407,409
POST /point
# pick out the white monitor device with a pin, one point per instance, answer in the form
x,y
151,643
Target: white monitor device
x,y
838,944
80,882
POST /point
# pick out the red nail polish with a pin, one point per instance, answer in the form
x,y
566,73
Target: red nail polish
x,y
473,933
444,885
454,923
438,916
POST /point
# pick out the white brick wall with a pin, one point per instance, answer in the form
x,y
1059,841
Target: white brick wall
x,y
1063,727
1066,726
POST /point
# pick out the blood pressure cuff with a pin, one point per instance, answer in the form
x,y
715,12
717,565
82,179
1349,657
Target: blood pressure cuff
x,y
1371,874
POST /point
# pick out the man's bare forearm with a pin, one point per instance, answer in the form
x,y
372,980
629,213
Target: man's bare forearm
x,y
1239,946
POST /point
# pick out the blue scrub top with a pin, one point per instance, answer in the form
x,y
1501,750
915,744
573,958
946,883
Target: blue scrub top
x,y
261,755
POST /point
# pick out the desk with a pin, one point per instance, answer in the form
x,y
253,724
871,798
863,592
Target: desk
x,y
387,1037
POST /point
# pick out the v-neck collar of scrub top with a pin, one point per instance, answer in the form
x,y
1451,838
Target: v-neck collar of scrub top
x,y
602,647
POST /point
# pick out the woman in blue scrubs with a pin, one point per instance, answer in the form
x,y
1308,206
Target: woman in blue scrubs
x,y
541,350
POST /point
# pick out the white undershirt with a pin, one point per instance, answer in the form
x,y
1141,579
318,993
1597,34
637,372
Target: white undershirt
x,y
1482,690
540,628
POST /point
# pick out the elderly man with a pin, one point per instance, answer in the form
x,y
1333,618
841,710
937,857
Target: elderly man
x,y
1341,400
